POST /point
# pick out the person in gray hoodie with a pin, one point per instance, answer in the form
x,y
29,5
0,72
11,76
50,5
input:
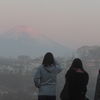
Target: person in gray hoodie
x,y
45,78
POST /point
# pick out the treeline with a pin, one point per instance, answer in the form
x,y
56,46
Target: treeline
x,y
89,51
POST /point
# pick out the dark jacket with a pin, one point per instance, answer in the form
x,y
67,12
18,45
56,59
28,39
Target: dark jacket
x,y
97,90
77,84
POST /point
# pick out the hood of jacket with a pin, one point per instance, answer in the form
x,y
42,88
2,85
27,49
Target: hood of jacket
x,y
49,68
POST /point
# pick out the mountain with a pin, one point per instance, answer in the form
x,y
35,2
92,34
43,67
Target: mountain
x,y
22,40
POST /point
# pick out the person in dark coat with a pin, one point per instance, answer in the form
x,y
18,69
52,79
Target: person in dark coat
x,y
77,79
97,89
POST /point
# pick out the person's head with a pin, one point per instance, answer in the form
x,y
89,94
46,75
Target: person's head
x,y
77,63
48,59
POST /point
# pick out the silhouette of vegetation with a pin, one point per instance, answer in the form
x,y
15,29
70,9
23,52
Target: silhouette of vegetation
x,y
89,51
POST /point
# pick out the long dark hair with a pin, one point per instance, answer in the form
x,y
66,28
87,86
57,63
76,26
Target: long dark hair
x,y
48,59
77,63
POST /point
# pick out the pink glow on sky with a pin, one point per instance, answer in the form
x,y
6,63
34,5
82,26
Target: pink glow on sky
x,y
72,23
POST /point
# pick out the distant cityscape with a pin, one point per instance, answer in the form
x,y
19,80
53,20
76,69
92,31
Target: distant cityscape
x,y
16,74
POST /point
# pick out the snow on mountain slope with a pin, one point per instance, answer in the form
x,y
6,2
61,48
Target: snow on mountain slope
x,y
25,33
20,31
22,40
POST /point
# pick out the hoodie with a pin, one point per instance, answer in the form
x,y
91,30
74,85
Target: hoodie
x,y
45,79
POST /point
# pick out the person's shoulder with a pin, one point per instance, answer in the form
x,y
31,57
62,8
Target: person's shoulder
x,y
70,71
86,73
99,71
39,67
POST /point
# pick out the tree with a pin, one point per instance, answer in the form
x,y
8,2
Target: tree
x,y
83,51
95,52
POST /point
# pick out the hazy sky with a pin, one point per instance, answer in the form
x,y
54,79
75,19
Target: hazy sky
x,y
73,23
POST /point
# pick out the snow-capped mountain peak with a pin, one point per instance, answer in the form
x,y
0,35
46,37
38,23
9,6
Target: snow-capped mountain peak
x,y
24,28
23,40
20,31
